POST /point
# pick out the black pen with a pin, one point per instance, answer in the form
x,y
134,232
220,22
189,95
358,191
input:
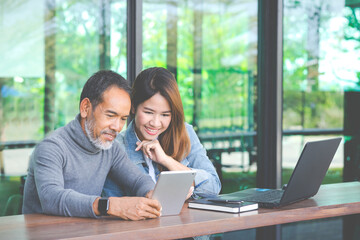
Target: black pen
x,y
225,201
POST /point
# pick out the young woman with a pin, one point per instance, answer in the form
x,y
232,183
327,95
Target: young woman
x,y
158,139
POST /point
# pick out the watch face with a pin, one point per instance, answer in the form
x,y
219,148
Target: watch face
x,y
103,206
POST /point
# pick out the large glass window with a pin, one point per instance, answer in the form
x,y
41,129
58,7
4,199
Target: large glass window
x,y
321,63
211,47
321,82
48,52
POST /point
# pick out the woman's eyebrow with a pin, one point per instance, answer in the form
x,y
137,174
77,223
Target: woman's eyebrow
x,y
150,109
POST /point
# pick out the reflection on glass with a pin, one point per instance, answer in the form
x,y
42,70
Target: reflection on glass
x,y
211,48
321,61
49,49
225,35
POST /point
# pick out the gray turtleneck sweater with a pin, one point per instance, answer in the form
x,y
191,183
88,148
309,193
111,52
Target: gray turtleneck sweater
x,y
67,173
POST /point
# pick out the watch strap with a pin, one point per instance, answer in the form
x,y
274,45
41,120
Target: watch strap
x,y
103,206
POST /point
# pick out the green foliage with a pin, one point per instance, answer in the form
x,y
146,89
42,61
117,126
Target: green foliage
x,y
228,60
225,79
236,181
9,186
77,39
334,175
24,109
225,99
304,110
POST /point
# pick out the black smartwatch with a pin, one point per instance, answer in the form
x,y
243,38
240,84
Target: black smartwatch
x,y
103,206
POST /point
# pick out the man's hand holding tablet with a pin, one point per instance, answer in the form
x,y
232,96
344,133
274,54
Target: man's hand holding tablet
x,y
172,189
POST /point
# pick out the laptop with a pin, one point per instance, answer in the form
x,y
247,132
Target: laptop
x,y
304,182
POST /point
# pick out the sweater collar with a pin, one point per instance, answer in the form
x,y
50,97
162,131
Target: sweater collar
x,y
80,138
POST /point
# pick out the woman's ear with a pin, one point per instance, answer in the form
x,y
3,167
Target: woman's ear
x,y
85,107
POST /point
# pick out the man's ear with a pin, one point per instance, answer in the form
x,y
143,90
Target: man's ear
x,y
85,107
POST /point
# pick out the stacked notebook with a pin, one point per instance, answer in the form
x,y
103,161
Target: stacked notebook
x,y
223,205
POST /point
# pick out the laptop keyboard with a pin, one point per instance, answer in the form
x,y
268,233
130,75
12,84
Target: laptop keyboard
x,y
268,196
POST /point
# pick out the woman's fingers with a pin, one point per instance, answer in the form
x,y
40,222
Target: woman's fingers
x,y
139,146
147,147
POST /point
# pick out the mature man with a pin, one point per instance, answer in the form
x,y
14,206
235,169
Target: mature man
x,y
68,168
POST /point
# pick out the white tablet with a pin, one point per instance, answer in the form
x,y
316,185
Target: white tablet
x,y
171,190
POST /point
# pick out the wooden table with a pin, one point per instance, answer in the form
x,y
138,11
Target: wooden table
x,y
332,200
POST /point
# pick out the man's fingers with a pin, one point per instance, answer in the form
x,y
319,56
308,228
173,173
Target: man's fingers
x,y
143,210
149,212
134,208
153,203
153,211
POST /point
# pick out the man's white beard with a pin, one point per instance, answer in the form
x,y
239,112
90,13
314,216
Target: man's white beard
x,y
89,129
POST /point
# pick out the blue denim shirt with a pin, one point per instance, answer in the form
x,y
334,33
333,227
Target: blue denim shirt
x,y
207,182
